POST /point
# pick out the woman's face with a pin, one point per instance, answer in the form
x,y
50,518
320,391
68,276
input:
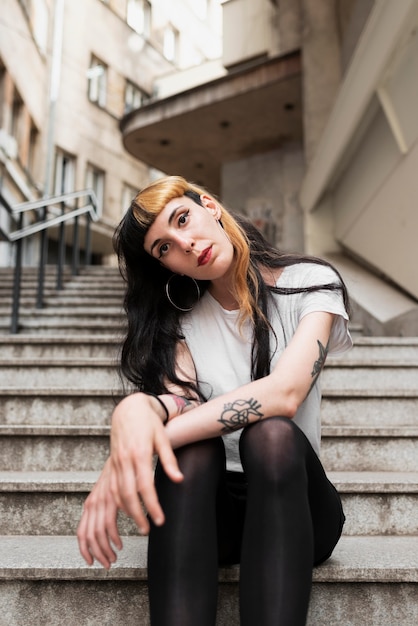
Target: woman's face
x,y
187,239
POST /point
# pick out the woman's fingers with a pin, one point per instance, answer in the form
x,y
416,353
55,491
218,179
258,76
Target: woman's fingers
x,y
146,488
82,540
102,532
86,534
167,457
98,527
138,494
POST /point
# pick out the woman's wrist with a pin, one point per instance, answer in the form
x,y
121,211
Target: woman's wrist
x,y
162,409
169,405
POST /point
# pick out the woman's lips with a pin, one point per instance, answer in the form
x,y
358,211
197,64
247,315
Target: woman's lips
x,y
205,256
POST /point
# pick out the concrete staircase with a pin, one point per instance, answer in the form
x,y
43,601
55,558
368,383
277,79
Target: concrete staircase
x,y
58,386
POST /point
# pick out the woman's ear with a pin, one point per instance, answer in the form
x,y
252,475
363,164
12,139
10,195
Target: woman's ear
x,y
211,205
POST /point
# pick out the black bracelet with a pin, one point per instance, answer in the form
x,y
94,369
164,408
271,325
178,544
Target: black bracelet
x,y
154,395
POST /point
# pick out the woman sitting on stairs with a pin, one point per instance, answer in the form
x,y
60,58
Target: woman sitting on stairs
x,y
226,340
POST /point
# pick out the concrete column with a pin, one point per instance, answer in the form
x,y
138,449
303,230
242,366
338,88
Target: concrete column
x,y
321,65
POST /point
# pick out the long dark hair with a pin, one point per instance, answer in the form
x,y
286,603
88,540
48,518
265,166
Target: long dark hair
x,y
148,358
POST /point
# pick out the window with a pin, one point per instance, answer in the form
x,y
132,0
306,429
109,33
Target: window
x,y
171,42
139,16
64,180
97,86
134,97
16,117
95,180
33,145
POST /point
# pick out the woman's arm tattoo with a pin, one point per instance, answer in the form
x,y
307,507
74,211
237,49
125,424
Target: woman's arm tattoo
x,y
184,404
236,415
319,363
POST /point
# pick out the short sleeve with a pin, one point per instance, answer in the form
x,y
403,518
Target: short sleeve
x,y
329,301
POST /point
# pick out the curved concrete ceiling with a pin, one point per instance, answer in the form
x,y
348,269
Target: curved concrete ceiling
x,y
249,111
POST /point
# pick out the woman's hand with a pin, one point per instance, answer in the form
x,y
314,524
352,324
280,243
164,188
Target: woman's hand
x,y
137,435
97,529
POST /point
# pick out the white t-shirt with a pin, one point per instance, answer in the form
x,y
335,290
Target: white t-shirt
x,y
222,355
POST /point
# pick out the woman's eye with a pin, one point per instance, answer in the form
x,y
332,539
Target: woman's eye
x,y
183,218
163,250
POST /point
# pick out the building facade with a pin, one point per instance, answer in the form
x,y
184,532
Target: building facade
x,y
69,71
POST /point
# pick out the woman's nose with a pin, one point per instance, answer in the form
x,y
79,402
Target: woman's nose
x,y
186,244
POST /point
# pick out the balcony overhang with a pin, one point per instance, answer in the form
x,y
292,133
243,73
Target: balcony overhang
x,y
247,112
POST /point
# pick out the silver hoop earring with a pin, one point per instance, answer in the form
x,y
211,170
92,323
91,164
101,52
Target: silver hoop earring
x,y
179,289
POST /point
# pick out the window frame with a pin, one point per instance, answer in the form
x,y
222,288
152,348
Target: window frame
x,y
97,82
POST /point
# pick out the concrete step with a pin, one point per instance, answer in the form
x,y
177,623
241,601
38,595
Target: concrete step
x,y
353,407
370,449
58,407
393,350
62,301
69,405
73,405
58,347
69,290
50,503
86,275
24,372
90,373
402,350
45,581
371,375
84,447
73,326
378,503
50,283
71,313
55,448
47,503
29,288
30,292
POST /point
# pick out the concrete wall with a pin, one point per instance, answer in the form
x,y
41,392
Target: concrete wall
x,y
265,188
266,29
375,196
360,188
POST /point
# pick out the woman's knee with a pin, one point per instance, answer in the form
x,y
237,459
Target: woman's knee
x,y
274,447
201,458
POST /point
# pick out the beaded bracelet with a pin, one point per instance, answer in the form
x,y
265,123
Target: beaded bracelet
x,y
154,395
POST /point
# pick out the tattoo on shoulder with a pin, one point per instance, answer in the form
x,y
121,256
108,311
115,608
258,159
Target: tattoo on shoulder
x,y
183,404
236,415
319,363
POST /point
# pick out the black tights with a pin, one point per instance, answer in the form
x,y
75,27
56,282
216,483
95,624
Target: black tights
x,y
288,518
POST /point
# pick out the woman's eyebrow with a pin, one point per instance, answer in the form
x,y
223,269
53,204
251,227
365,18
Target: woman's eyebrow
x,y
170,219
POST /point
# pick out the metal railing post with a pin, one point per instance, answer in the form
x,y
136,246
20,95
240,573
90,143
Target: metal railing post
x,y
61,250
14,326
43,253
87,256
76,245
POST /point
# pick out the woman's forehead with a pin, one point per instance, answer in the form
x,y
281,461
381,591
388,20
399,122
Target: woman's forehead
x,y
164,219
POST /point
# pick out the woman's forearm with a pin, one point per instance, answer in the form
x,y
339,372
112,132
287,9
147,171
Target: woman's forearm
x,y
229,412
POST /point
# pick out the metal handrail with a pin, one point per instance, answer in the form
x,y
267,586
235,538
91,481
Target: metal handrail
x,y
22,232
